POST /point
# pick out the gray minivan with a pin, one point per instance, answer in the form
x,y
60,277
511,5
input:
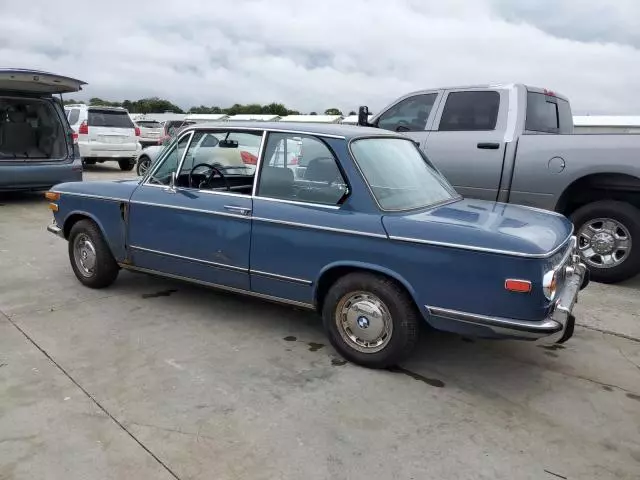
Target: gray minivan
x,y
37,145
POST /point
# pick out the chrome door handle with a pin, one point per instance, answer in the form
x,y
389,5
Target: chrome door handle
x,y
240,210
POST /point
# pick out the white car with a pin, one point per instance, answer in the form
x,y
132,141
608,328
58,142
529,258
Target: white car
x,y
104,134
151,131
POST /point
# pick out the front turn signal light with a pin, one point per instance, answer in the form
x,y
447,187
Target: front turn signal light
x,y
53,196
518,286
53,207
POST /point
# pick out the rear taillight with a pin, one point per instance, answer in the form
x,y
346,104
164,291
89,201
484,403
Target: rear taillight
x,y
83,129
137,130
248,158
294,161
74,138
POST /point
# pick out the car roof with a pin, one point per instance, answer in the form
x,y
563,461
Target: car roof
x,y
332,129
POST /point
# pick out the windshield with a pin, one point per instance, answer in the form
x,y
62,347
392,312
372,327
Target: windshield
x,y
399,177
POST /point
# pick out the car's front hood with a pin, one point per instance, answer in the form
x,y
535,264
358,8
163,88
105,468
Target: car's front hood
x,y
484,226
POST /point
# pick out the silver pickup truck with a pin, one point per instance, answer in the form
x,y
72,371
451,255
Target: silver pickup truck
x,y
515,143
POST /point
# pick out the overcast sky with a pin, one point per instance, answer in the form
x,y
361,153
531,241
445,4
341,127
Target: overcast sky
x,y
315,55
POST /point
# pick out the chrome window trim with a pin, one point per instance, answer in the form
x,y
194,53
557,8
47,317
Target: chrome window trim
x,y
295,202
455,196
181,162
189,209
320,227
190,259
484,249
220,287
205,126
88,195
256,175
281,277
159,161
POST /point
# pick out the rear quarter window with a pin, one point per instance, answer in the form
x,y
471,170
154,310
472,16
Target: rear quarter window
x,y
548,114
74,115
107,118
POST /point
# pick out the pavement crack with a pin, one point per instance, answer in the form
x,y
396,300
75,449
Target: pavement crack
x,y
172,430
91,397
609,332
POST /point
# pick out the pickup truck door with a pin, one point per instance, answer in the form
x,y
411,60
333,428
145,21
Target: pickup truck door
x,y
411,115
467,142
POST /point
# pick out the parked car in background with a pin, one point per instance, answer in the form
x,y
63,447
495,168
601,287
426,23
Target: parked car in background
x,y
515,144
373,238
149,154
105,134
36,144
151,131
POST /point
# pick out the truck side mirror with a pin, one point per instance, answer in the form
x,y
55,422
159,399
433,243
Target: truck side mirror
x,y
363,116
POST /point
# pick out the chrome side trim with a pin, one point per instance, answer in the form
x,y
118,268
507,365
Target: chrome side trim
x,y
483,249
88,195
188,209
542,210
220,287
295,202
319,227
281,277
190,259
542,328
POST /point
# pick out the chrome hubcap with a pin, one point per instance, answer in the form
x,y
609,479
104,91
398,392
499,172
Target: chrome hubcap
x,y
84,254
144,166
604,243
364,322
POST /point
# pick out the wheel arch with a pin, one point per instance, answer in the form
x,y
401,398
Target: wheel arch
x,y
594,187
332,272
77,215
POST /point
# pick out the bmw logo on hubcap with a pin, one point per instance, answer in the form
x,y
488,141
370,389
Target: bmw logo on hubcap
x,y
363,322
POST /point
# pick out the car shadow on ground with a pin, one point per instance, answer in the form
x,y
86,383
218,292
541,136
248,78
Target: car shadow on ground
x,y
22,198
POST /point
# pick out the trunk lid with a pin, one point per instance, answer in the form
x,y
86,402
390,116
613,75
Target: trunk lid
x,y
35,81
484,226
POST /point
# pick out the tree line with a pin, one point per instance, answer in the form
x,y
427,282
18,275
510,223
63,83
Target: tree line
x,y
160,105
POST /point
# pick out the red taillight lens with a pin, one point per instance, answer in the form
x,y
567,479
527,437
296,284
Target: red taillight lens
x,y
518,286
137,130
248,158
74,137
83,129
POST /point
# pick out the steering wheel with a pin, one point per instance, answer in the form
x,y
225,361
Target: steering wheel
x,y
209,177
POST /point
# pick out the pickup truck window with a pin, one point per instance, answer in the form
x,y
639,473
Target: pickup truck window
x,y
397,174
548,114
408,115
470,111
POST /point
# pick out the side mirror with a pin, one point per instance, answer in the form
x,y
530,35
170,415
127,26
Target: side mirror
x,y
363,116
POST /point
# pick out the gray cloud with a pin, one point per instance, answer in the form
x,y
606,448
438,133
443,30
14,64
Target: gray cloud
x,y
331,53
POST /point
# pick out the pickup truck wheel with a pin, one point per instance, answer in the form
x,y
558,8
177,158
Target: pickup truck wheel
x,y
90,256
370,320
143,165
608,234
126,165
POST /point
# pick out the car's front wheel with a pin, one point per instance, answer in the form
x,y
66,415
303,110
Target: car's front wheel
x,y
90,256
126,165
370,320
144,163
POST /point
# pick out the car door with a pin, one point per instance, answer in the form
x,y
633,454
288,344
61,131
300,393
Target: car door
x,y
303,223
411,115
467,143
197,227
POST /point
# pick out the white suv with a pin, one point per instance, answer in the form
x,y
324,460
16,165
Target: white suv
x,y
104,133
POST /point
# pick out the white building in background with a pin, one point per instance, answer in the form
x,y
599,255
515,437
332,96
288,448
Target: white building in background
x,y
254,118
606,124
206,117
312,118
352,119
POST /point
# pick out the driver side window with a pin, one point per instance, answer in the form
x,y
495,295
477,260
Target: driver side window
x,y
169,164
409,115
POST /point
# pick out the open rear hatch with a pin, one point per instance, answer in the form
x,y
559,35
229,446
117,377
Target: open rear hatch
x,y
35,81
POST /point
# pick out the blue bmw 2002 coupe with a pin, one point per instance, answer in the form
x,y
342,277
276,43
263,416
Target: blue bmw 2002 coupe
x,y
368,233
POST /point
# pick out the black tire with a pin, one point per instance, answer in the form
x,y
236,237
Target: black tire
x,y
105,269
145,163
88,162
629,217
404,318
126,165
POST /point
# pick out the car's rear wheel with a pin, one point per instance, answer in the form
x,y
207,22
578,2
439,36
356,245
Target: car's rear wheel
x,y
126,165
370,320
90,256
144,163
